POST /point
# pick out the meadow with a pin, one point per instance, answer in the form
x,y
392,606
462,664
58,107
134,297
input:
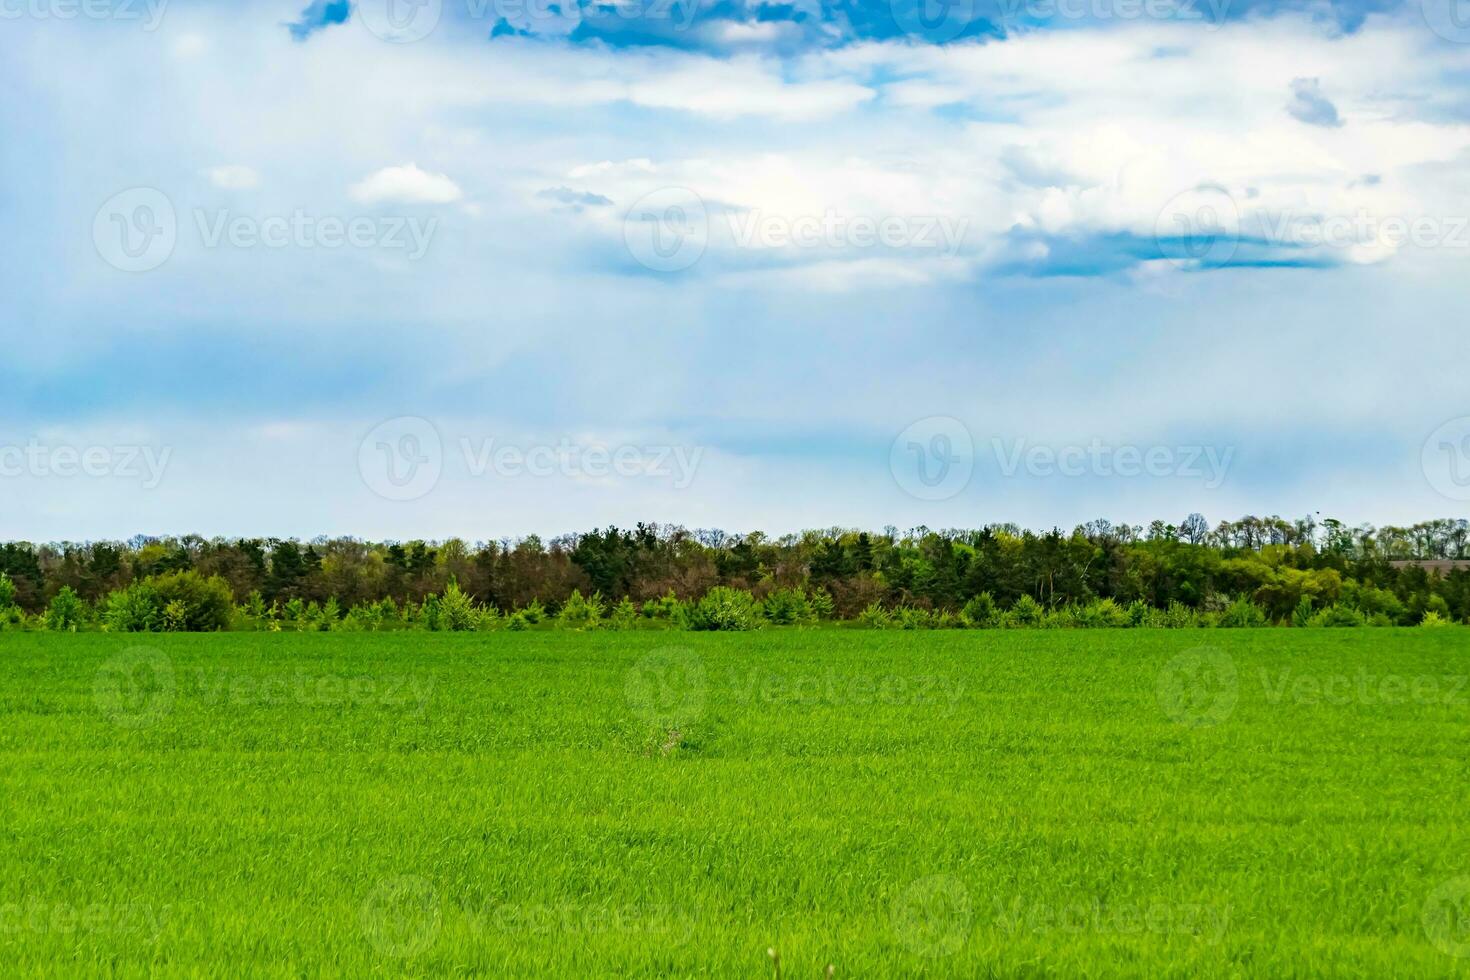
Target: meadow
x,y
957,803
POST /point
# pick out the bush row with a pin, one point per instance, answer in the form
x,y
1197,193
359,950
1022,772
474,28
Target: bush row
x,y
189,602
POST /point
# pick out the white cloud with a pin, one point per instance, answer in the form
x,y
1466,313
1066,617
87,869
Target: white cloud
x,y
233,177
405,185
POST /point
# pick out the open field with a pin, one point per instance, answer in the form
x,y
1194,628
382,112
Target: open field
x,y
1219,803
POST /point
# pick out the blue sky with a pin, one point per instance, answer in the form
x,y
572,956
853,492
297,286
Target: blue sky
x,y
801,265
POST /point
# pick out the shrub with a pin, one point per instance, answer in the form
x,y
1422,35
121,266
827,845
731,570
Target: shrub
x,y
457,612
135,609
580,613
1140,614
66,611
724,608
1060,619
534,612
1025,611
430,614
1302,614
981,612
364,617
789,607
1101,614
7,592
205,604
175,616
624,616
1178,616
668,608
1337,616
911,618
821,603
875,617
1433,620
1243,614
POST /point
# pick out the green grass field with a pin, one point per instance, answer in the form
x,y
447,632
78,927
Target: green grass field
x,y
1218,803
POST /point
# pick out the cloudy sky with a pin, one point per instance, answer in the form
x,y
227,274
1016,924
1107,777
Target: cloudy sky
x,y
491,267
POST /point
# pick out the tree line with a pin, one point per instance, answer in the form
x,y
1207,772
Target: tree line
x,y
1253,571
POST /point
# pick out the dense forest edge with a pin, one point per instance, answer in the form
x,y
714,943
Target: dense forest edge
x,y
1253,572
